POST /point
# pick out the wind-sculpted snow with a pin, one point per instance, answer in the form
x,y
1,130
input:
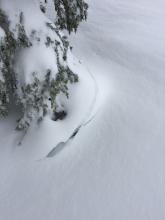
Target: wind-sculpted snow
x,y
114,167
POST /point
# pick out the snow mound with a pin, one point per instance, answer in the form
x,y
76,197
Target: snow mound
x,y
80,107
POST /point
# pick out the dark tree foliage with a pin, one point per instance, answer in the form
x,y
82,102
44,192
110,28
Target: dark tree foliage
x,y
70,13
34,97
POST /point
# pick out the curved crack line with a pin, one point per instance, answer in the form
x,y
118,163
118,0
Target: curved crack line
x,y
61,145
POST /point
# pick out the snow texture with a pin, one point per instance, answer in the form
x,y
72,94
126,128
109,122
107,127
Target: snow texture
x,y
114,167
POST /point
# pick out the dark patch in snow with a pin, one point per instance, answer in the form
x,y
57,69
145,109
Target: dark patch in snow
x,y
56,149
62,114
59,115
60,146
75,132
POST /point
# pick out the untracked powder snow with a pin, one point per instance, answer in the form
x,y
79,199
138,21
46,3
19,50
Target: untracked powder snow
x,y
110,157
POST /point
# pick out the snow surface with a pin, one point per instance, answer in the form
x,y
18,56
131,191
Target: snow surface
x,y
114,166
35,59
38,58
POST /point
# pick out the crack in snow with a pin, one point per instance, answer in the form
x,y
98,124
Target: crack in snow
x,y
61,145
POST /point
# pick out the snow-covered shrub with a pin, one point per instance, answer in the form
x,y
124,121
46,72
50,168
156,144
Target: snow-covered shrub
x,y
34,67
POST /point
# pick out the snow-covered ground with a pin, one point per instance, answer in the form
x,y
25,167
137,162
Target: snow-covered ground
x,y
114,167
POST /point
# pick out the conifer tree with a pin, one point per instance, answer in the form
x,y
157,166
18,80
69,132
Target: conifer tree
x,y
70,13
34,67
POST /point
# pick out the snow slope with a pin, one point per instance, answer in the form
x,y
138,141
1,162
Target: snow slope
x,y
114,167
